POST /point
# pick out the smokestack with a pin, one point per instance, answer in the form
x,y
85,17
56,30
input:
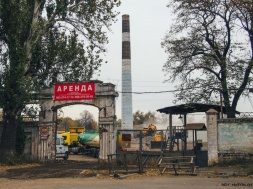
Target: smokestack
x,y
127,111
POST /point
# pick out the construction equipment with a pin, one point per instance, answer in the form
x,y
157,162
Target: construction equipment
x,y
158,137
149,131
154,136
71,140
90,142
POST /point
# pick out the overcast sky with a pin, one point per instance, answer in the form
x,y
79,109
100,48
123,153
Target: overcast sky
x,y
149,22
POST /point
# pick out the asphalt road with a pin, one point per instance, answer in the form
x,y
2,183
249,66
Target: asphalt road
x,y
177,182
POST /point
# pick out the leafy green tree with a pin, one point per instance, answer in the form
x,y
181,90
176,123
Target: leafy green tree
x,y
43,42
118,123
209,50
141,117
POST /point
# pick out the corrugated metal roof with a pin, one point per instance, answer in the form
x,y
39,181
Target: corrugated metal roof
x,y
191,108
195,126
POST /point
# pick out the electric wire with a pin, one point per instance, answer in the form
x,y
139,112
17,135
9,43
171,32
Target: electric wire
x,y
177,90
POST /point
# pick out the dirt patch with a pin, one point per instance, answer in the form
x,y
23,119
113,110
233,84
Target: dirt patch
x,y
81,166
76,166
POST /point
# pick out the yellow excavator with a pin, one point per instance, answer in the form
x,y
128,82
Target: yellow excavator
x,y
150,130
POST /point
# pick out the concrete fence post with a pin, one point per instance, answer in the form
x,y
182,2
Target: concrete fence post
x,y
212,136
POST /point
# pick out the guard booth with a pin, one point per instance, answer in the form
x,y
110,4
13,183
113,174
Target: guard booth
x,y
195,128
181,135
199,146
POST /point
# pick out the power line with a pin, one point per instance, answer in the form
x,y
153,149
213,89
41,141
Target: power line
x,y
176,90
133,81
154,92
158,92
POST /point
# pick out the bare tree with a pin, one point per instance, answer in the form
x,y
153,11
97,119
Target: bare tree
x,y
209,50
87,120
65,123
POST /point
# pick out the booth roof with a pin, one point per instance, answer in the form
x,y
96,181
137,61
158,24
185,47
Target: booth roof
x,y
191,108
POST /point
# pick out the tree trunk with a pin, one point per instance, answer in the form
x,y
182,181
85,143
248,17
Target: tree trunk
x,y
230,112
8,139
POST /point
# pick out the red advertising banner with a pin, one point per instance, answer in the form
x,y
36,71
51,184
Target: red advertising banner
x,y
74,91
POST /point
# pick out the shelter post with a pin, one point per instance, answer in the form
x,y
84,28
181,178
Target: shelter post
x,y
185,133
170,125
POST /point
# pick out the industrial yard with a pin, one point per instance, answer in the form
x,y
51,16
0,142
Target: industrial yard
x,y
84,167
83,171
